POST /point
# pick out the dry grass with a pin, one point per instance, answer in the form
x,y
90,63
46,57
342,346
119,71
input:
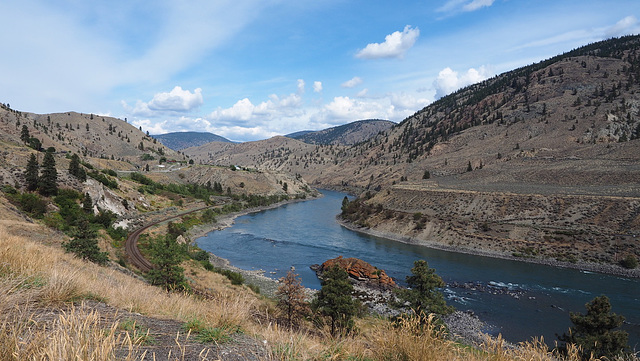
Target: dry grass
x,y
34,276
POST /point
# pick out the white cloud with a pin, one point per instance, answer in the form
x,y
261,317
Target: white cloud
x,y
477,4
178,100
449,80
362,93
623,27
353,82
453,6
317,86
300,86
395,45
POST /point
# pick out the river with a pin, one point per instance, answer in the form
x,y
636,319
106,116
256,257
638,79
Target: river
x,y
520,300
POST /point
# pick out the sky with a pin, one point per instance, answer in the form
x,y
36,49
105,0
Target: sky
x,y
252,69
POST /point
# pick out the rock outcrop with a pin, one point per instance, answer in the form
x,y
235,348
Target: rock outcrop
x,y
359,270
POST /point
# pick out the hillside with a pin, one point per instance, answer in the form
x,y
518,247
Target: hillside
x,y
181,140
347,134
566,127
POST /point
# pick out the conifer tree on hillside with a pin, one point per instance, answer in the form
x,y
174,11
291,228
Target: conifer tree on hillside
x,y
334,300
594,332
84,244
31,173
166,254
24,134
423,294
75,169
49,177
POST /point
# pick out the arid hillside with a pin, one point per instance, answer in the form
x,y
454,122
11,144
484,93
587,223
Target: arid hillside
x,y
561,131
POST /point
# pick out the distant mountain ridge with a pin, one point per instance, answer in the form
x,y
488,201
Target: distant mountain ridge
x,y
181,140
347,134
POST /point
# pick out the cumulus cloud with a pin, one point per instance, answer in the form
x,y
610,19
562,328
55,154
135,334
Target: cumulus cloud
x,y
244,112
395,45
353,82
177,100
449,80
623,27
300,86
317,86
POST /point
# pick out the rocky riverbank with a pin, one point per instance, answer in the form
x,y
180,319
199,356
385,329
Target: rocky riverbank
x,y
583,266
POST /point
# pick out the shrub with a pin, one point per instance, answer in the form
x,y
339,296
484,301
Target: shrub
x,y
629,262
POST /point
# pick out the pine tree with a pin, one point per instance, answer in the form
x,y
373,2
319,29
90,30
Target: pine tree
x,y
334,300
84,244
291,298
166,254
49,178
87,204
423,294
31,174
593,332
75,169
24,134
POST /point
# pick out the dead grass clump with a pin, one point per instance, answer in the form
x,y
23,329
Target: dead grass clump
x,y
74,335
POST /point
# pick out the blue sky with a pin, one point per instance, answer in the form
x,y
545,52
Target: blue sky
x,y
252,69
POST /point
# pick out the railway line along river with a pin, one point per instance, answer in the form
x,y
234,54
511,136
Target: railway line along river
x,y
520,300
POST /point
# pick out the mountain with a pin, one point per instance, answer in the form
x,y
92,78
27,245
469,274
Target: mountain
x,y
347,134
535,162
181,140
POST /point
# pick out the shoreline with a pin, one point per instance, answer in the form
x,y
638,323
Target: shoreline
x,y
465,326
580,266
267,285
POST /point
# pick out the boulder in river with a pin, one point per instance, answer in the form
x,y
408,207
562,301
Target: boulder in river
x,y
358,270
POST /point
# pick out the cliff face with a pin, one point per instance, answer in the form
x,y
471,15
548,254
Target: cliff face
x,y
360,270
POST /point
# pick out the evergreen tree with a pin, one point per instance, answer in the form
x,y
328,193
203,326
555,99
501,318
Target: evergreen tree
x,y
31,174
423,294
49,177
87,204
84,244
75,169
593,332
166,254
24,134
426,175
469,167
291,298
334,300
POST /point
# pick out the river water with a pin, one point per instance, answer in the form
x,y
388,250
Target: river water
x,y
519,300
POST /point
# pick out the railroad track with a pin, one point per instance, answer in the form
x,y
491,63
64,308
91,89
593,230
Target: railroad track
x,y
131,245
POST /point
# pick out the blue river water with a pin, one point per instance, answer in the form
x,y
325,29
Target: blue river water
x,y
519,300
